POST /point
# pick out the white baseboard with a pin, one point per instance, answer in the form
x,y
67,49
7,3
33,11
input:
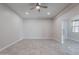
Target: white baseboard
x,y
10,44
43,38
37,38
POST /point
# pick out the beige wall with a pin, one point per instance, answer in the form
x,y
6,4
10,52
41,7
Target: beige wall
x,y
56,29
37,28
65,16
10,26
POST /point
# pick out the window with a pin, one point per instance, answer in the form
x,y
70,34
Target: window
x,y
75,26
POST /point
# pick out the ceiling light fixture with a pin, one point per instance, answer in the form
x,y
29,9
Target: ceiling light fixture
x,y
27,13
48,13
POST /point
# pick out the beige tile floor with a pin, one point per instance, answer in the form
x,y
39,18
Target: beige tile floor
x,y
34,47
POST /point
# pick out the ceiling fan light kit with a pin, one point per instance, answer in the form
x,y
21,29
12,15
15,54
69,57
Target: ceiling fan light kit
x,y
38,6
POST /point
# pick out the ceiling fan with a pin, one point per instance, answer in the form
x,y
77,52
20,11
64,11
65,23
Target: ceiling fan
x,y
38,6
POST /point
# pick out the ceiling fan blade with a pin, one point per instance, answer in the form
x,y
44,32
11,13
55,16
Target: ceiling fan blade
x,y
44,6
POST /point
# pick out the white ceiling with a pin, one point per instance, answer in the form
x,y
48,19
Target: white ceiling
x,y
21,8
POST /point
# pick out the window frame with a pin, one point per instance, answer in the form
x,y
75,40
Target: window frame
x,y
75,26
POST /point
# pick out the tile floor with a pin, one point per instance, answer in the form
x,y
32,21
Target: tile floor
x,y
34,47
71,47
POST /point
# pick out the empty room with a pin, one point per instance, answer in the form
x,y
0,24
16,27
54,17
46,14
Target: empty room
x,y
39,28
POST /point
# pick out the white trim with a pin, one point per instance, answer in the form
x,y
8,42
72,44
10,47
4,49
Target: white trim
x,y
41,39
11,44
37,38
